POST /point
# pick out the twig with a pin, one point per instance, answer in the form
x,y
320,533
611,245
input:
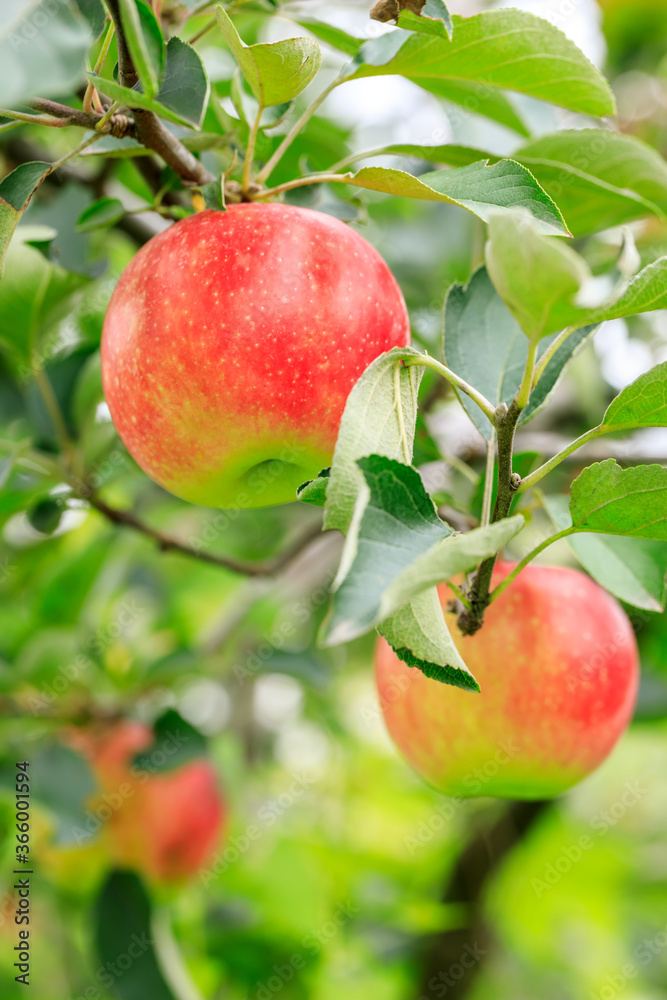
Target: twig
x,y
488,481
168,544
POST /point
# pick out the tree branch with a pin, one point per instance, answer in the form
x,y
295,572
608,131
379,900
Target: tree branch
x,y
464,948
119,125
166,543
150,130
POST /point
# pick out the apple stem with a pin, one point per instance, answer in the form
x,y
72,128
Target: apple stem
x,y
250,151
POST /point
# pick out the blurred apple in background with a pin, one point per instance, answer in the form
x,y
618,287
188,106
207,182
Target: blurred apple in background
x,y
163,823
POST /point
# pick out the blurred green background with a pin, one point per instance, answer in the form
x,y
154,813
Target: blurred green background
x,y
376,884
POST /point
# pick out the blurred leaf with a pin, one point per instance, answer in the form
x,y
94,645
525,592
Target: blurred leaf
x,y
45,516
484,344
124,926
379,418
547,286
333,36
480,187
62,781
632,569
176,743
145,42
16,190
598,179
538,278
276,71
499,48
34,295
451,154
183,96
94,13
43,51
101,213
419,636
433,19
612,500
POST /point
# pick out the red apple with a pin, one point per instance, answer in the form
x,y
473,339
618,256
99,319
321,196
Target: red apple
x,y
557,664
231,343
165,823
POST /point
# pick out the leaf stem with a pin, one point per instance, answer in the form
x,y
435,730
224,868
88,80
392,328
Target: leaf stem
x,y
523,395
300,182
20,116
428,362
277,156
75,152
55,416
488,481
250,150
541,365
502,587
543,470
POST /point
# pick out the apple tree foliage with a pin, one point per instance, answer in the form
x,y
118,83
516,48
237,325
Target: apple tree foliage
x,y
120,114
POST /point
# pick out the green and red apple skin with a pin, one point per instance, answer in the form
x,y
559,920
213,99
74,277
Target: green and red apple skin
x,y
231,343
556,660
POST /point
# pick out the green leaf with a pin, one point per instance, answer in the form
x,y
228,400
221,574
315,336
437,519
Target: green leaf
x,y
509,49
314,491
536,277
643,403
45,516
479,187
419,636
124,926
484,344
632,569
333,36
63,782
598,179
175,743
399,522
547,286
145,42
94,13
16,190
184,93
275,71
34,295
101,213
43,51
398,548
616,501
451,154
379,419
433,19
